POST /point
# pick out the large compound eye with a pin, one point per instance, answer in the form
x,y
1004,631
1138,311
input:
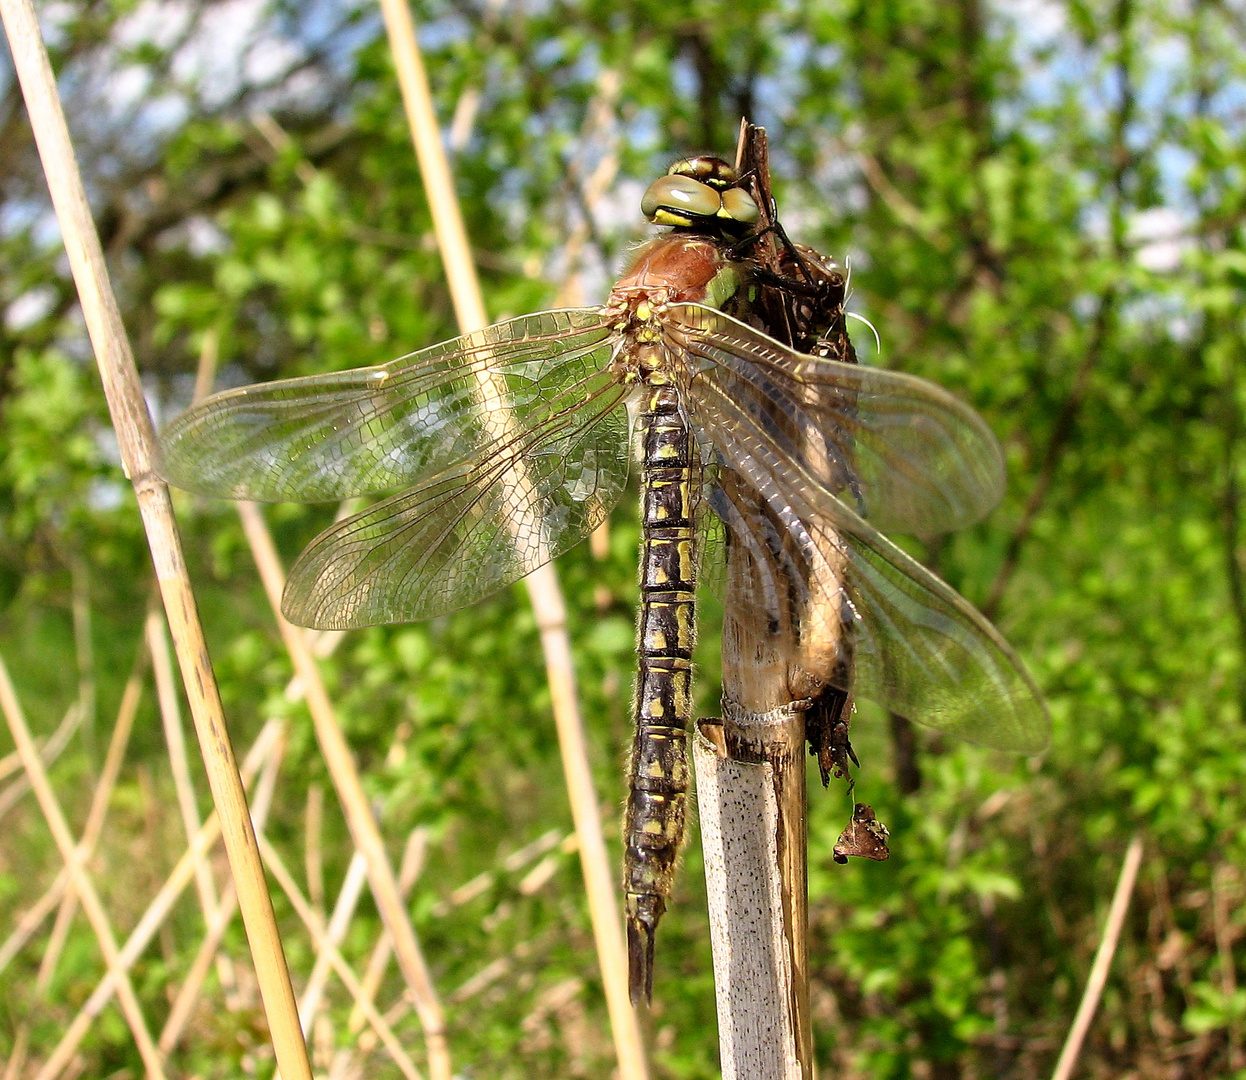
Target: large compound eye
x,y
738,205
679,200
709,170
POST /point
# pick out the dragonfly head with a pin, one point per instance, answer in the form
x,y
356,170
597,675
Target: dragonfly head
x,y
702,193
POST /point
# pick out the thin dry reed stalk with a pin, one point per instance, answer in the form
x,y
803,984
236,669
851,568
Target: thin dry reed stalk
x,y
269,746
84,650
308,686
48,753
319,936
543,589
59,892
117,743
1102,962
49,750
273,737
359,817
86,846
335,934
351,1064
79,879
136,441
179,766
313,863
408,871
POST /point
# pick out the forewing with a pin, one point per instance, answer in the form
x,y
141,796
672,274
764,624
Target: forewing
x,y
918,647
376,429
906,454
472,529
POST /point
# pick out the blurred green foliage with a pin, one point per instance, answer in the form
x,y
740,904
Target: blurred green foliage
x,y
1042,207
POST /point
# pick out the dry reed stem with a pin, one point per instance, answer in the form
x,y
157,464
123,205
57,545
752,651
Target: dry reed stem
x,y
179,766
267,746
335,934
1102,962
84,650
313,863
13,1069
1222,925
408,872
188,994
48,753
351,1060
205,373
359,817
136,441
94,826
542,585
50,749
86,846
316,928
32,919
58,891
597,129
532,882
78,876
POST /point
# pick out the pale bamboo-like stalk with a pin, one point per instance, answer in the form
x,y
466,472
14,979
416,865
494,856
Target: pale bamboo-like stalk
x,y
59,892
158,910
89,898
359,817
274,738
136,441
1221,907
316,928
353,1057
408,871
746,818
48,753
188,993
535,879
542,584
86,846
117,743
313,824
84,650
335,934
1102,962
17,1058
175,739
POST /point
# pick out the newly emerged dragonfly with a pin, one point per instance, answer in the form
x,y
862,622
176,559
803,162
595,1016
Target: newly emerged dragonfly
x,y
509,445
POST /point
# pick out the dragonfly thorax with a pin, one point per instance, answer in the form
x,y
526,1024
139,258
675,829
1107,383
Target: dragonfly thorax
x,y
641,355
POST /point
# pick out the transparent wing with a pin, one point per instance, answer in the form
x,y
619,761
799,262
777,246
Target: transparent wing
x,y
472,529
812,568
907,455
925,652
375,429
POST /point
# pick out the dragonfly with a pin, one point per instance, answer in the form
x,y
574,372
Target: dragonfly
x,y
497,451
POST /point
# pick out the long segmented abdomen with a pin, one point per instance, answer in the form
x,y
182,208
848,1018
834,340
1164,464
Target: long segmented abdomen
x,y
657,800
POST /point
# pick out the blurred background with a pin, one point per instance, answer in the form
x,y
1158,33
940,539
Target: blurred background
x,y
1042,206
